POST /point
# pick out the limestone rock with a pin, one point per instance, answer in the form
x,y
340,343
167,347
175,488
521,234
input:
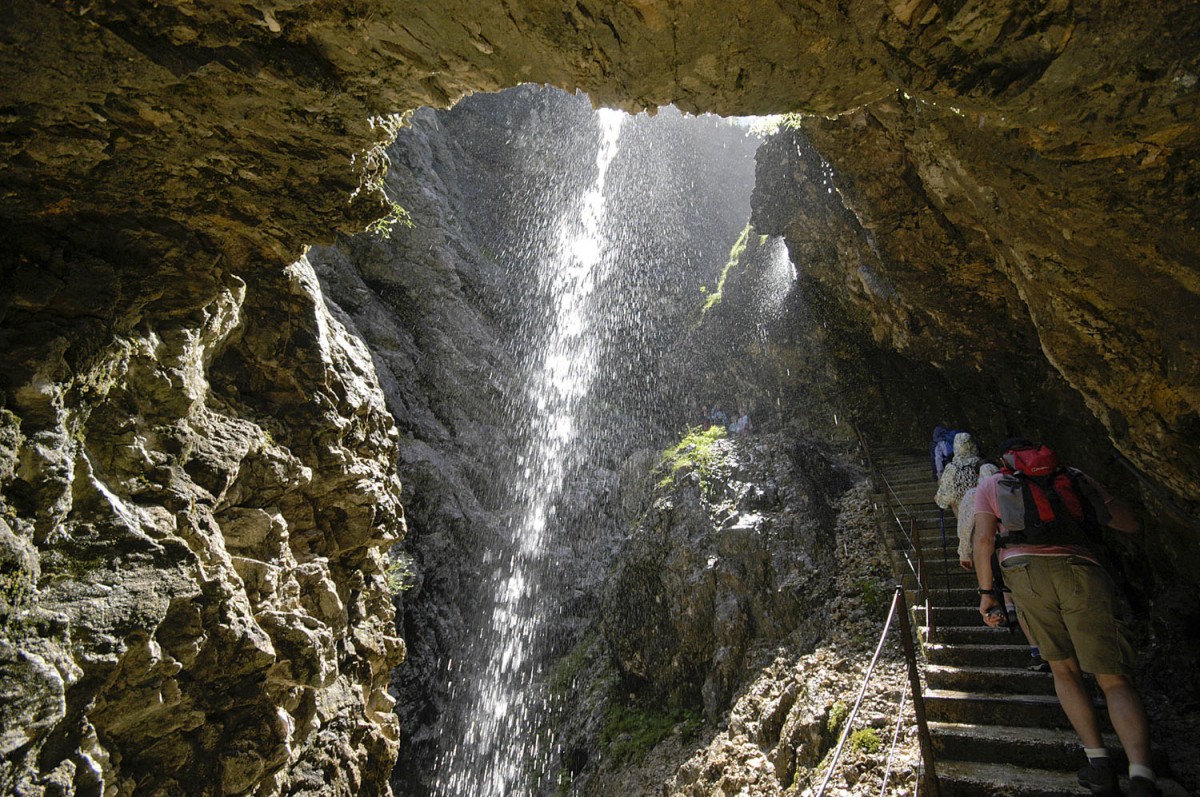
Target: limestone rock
x,y
166,359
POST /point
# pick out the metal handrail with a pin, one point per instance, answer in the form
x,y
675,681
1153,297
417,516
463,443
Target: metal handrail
x,y
929,775
928,780
910,533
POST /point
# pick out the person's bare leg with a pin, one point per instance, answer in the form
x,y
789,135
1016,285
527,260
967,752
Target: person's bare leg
x,y
1127,715
1076,702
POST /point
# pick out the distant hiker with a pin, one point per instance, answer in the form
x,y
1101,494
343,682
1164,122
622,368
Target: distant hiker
x,y
742,424
960,474
718,417
941,450
1044,521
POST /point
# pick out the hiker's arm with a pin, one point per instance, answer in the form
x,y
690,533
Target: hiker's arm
x,y
984,544
1122,517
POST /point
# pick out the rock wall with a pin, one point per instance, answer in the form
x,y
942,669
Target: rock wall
x,y
1071,122
447,305
194,595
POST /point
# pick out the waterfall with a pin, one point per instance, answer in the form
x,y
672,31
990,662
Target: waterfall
x,y
503,752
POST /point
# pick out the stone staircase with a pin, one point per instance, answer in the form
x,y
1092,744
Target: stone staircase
x,y
997,728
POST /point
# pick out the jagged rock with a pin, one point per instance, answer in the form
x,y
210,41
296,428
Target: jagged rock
x,y
702,581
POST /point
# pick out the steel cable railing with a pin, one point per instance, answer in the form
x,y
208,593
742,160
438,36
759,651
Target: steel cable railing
x,y
911,534
887,771
908,531
928,783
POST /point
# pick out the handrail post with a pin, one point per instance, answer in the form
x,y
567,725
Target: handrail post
x,y
929,780
922,577
927,591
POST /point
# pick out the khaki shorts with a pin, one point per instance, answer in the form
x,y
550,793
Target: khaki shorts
x,y
1069,606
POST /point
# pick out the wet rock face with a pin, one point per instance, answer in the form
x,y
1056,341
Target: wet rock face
x,y
722,562
452,313
863,201
1060,136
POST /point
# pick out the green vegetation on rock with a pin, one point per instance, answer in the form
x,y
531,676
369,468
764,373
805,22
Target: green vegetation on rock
x,y
630,732
867,740
399,575
693,453
735,256
875,596
15,588
383,227
837,715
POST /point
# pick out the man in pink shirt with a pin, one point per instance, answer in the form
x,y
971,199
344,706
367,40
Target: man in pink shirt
x,y
1043,523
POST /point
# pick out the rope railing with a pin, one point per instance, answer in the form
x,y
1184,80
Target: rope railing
x,y
928,783
911,534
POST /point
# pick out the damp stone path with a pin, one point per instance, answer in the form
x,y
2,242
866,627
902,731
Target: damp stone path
x,y
997,728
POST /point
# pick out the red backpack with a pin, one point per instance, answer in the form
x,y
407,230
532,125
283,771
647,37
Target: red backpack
x,y
1043,503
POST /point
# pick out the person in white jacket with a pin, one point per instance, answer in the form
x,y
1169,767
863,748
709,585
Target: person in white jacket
x,y
960,474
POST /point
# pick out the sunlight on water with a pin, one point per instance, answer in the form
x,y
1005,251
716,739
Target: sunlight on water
x,y
502,753
778,279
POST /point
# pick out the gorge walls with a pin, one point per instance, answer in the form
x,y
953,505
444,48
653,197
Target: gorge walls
x,y
214,118
451,309
199,465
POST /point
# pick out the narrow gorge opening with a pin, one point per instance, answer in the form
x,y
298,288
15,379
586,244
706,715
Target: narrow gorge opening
x,y
591,286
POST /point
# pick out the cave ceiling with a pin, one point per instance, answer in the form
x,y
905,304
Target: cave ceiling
x,y
1063,133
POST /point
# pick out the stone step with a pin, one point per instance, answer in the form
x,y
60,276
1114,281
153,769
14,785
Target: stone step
x,y
907,509
975,779
945,588
996,708
976,635
916,502
948,615
957,597
1007,680
941,578
949,574
907,502
899,472
1011,656
1041,748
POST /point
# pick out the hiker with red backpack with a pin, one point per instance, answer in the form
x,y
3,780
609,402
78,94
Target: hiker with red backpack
x,y
1043,521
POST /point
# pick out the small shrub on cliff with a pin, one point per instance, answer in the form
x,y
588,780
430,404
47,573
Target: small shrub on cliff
x,y
693,453
867,740
382,228
400,575
837,715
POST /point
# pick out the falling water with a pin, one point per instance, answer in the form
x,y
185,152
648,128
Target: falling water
x,y
502,752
